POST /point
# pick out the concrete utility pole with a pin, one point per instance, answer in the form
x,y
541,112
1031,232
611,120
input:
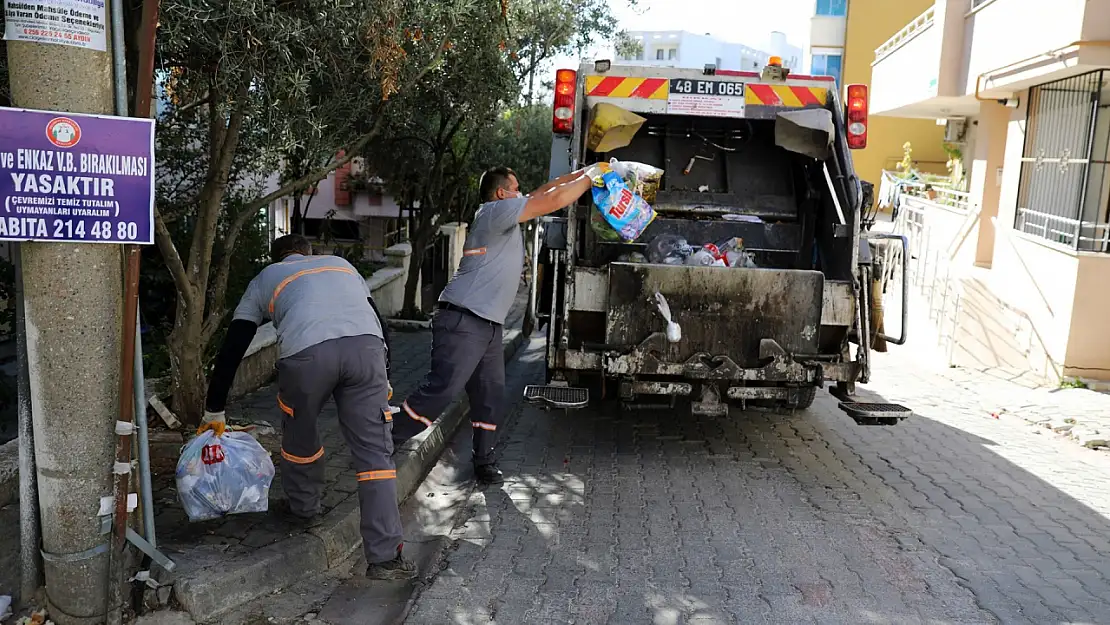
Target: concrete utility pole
x,y
74,305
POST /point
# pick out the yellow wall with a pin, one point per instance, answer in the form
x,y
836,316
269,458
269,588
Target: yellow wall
x,y
870,24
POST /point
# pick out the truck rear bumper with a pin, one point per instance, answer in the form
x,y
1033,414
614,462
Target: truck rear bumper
x,y
648,360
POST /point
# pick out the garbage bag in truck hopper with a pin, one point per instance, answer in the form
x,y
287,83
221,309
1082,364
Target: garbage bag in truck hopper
x,y
808,132
611,127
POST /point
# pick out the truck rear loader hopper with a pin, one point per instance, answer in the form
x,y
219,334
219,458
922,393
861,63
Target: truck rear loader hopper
x,y
763,157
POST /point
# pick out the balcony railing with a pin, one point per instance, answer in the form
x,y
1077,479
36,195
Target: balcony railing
x,y
911,30
1085,236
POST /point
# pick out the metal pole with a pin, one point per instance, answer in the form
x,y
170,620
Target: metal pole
x,y
114,607
30,536
124,430
145,491
131,357
119,80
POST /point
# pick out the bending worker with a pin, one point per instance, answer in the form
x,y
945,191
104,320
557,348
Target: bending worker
x,y
466,333
333,344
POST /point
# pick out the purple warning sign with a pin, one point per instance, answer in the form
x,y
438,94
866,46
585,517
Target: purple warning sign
x,y
76,178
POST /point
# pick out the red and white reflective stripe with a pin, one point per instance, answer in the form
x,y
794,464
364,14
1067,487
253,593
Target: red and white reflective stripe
x,y
478,251
485,426
412,413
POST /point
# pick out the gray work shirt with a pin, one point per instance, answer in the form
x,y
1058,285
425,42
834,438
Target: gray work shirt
x,y
493,260
310,299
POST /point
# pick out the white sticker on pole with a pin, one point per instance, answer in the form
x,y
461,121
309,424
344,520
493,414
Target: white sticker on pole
x,y
706,98
77,23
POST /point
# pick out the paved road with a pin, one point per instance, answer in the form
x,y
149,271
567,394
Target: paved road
x,y
654,517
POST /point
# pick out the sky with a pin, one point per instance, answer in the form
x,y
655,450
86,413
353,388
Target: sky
x,y
749,22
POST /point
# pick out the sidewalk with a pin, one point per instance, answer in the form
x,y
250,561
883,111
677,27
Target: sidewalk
x,y
224,563
227,562
1079,414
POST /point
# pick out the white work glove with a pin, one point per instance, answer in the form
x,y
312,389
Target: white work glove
x,y
214,421
594,171
213,417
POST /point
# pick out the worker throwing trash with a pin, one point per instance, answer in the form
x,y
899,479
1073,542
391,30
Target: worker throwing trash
x,y
333,344
467,353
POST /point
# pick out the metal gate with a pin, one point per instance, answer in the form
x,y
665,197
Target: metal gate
x,y
1063,166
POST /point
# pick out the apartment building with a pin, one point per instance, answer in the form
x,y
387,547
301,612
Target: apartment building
x,y
679,48
1028,81
843,38
827,34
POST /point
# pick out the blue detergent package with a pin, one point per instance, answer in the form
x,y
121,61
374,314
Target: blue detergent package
x,y
626,212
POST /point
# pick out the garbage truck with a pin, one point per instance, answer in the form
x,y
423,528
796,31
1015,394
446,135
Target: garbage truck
x,y
763,157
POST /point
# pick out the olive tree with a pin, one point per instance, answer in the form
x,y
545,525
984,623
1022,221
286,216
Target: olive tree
x,y
251,86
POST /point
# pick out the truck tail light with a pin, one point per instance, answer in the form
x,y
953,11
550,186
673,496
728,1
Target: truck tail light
x,y
857,117
566,92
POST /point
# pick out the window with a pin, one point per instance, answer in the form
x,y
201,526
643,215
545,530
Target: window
x,y
1064,183
832,8
827,65
672,54
659,54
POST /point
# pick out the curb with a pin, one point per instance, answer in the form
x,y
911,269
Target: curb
x,y
407,325
210,592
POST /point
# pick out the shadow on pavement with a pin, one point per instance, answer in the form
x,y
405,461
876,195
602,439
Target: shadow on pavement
x,y
634,517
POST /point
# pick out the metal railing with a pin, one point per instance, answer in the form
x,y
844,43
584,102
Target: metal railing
x,y
1087,236
911,30
931,265
1061,192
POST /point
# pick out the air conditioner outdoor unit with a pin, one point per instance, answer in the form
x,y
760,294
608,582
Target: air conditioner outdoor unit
x,y
955,130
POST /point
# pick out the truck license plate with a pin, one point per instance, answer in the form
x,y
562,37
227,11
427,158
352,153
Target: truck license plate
x,y
707,87
706,98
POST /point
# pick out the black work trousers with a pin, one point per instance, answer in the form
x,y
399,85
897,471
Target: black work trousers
x,y
467,354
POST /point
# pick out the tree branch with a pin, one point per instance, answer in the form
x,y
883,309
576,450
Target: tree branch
x,y
200,252
192,105
173,261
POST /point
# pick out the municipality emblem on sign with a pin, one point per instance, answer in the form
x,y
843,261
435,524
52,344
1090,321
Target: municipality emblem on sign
x,y
63,132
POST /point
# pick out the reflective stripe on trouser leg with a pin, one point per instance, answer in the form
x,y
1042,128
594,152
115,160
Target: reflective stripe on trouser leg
x,y
486,392
305,381
366,424
458,342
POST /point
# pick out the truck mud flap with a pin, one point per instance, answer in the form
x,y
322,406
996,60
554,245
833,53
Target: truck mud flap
x,y
875,413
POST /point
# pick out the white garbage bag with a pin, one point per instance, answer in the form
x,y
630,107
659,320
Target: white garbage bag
x,y
223,474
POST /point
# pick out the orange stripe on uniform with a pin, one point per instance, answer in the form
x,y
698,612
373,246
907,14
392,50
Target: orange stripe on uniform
x,y
387,415
412,413
478,251
301,460
284,407
300,274
484,426
385,474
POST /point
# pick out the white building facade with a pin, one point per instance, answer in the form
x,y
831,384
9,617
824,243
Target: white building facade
x,y
677,48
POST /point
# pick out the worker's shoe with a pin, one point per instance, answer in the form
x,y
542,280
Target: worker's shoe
x,y
283,512
488,474
396,569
